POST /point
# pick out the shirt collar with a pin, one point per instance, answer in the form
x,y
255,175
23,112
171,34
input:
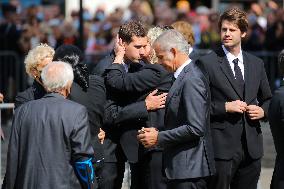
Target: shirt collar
x,y
190,50
231,57
178,71
126,66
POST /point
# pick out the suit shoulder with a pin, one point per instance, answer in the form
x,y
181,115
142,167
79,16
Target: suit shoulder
x,y
102,65
157,67
208,59
96,83
26,94
96,79
73,104
279,94
253,58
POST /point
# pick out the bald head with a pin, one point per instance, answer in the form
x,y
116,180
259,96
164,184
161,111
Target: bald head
x,y
57,76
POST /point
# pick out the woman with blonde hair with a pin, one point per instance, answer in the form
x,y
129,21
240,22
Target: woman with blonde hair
x,y
35,61
186,30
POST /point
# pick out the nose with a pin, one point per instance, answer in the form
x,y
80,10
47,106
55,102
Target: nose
x,y
142,51
227,32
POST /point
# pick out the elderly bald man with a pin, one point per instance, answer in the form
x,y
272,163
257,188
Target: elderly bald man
x,y
50,138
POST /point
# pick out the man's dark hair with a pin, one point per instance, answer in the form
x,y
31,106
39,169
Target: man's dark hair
x,y
281,62
236,16
130,29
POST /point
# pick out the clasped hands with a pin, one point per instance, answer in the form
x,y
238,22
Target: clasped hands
x,y
254,112
148,137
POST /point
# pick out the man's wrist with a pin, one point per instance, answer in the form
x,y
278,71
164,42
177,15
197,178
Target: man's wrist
x,y
226,107
118,60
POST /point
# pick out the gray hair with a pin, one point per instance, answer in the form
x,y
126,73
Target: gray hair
x,y
57,75
153,34
172,39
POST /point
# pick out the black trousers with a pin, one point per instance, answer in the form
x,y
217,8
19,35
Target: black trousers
x,y
277,181
111,175
238,173
153,170
196,183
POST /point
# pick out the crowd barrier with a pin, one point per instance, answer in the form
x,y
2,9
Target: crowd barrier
x,y
12,74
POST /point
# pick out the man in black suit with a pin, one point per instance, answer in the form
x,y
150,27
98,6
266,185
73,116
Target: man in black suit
x,y
188,152
240,96
50,138
120,144
276,120
141,83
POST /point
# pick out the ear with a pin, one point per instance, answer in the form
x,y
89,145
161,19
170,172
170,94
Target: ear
x,y
243,34
34,72
174,51
124,44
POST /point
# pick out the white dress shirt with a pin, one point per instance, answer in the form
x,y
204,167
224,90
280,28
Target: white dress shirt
x,y
178,71
231,57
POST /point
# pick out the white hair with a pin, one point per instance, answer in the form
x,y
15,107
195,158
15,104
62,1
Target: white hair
x,y
57,75
154,33
172,39
37,55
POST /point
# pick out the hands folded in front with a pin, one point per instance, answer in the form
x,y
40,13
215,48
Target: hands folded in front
x,y
254,112
148,137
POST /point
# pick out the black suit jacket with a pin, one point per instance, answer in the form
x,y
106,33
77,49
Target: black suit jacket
x,y
226,127
114,108
188,151
94,100
100,67
36,91
139,84
124,121
194,55
276,119
136,85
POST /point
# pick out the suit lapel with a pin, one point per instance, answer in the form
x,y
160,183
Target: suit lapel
x,y
176,85
249,77
225,67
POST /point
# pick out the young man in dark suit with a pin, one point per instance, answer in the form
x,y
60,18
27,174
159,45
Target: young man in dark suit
x,y
276,120
188,152
240,95
120,144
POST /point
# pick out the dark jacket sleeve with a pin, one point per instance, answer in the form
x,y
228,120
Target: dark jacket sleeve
x,y
14,145
116,115
80,138
194,99
97,101
23,97
264,94
100,67
144,80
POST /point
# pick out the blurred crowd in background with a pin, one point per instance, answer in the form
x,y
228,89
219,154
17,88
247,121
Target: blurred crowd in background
x,y
37,24
21,29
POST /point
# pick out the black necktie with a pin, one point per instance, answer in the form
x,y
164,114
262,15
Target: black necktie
x,y
238,75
